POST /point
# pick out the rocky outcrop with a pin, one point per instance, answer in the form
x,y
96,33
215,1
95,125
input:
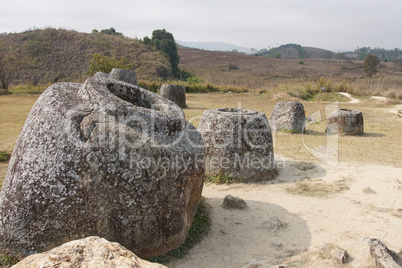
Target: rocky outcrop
x,y
288,116
124,75
104,158
88,252
239,144
175,93
346,122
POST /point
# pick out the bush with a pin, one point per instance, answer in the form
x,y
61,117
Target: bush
x,y
7,261
233,67
220,179
4,156
301,62
194,80
100,63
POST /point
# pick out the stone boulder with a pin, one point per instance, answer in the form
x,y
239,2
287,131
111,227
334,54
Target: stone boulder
x,y
238,144
175,93
231,202
288,116
104,158
346,122
101,75
88,252
124,75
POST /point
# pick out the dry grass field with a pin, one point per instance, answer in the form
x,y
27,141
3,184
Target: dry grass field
x,y
258,73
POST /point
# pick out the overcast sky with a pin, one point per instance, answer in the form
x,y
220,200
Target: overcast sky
x,y
329,24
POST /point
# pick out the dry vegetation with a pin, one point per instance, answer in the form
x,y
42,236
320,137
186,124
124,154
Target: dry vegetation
x,y
53,55
273,75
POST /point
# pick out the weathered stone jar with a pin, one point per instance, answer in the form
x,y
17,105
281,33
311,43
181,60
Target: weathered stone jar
x,y
175,93
346,122
238,144
288,116
104,158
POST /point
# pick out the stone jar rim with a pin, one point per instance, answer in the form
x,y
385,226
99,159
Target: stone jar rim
x,y
239,111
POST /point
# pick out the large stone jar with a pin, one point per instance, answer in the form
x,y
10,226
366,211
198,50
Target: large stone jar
x,y
238,144
288,116
175,93
345,122
104,158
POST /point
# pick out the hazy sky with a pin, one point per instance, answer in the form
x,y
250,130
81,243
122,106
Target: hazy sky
x,y
329,24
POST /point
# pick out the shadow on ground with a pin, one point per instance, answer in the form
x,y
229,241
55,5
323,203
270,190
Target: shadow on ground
x,y
263,233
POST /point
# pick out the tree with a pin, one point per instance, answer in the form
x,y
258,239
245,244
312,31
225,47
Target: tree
x,y
8,66
110,31
370,65
164,41
147,40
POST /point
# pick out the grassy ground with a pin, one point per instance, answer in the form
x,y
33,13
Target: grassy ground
x,y
13,112
379,145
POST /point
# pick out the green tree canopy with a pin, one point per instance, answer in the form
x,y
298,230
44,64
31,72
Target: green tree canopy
x,y
370,65
164,41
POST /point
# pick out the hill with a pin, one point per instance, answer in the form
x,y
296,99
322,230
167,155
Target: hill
x,y
295,51
52,55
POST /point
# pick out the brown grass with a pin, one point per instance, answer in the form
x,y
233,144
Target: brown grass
x,y
13,111
262,73
57,55
316,189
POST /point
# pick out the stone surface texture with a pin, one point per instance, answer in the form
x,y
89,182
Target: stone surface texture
x,y
346,122
288,116
101,75
88,252
382,256
124,75
231,202
104,158
239,144
175,93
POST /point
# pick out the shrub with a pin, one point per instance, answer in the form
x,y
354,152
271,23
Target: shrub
x,y
233,67
4,156
7,261
194,80
220,179
301,62
100,63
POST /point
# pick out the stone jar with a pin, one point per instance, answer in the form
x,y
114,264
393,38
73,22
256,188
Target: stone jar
x,y
288,116
238,144
175,93
104,158
345,122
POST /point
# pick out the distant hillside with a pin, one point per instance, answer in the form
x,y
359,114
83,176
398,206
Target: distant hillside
x,y
295,51
256,72
52,55
214,46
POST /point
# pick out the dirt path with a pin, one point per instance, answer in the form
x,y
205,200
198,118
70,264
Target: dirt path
x,y
352,99
347,203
